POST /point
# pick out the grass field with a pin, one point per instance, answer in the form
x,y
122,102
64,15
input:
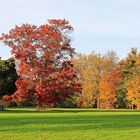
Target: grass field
x,y
69,124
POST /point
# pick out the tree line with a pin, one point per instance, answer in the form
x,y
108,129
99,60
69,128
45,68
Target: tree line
x,y
108,82
46,71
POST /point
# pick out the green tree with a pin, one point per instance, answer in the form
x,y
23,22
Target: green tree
x,y
129,69
8,77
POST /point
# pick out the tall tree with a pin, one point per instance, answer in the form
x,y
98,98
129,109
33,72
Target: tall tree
x,y
133,90
46,74
128,67
133,84
90,69
122,91
108,88
110,80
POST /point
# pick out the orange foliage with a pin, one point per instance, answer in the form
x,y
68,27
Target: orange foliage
x,y
133,94
108,88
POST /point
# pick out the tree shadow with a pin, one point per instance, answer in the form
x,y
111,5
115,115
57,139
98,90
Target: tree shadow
x,y
65,110
88,110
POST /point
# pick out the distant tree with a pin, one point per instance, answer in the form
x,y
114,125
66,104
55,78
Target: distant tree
x,y
130,64
90,69
46,74
133,84
133,94
108,88
110,80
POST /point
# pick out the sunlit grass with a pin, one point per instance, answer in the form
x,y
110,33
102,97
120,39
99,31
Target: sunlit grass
x,y
69,124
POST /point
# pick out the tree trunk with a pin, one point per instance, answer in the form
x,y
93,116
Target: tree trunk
x,y
132,106
98,103
1,107
98,99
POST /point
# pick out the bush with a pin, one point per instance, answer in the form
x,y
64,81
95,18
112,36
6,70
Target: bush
x,y
5,104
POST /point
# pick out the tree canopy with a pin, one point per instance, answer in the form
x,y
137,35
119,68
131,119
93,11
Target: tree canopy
x,y
43,55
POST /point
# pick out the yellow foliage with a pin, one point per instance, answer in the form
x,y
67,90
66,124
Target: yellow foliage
x,y
133,91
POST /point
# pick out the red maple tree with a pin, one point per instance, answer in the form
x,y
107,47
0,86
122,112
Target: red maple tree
x,y
43,54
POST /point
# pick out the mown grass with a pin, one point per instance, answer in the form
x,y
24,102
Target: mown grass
x,y
69,124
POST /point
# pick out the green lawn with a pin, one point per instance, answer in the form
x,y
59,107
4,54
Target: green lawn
x,y
69,124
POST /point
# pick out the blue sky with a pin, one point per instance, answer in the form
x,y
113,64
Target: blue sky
x,y
99,25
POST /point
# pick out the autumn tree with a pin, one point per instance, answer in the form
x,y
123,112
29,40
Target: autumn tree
x,y
108,88
109,82
90,69
133,90
43,55
133,84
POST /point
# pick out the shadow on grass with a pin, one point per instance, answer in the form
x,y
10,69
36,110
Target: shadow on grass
x,y
65,110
